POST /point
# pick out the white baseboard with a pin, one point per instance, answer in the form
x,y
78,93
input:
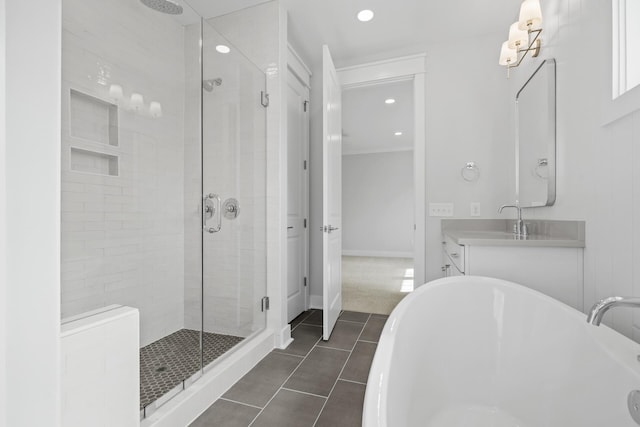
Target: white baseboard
x,y
284,338
377,254
315,301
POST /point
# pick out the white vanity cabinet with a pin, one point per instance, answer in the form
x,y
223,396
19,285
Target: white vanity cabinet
x,y
553,266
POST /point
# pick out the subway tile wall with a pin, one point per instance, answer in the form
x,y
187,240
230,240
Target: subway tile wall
x,y
123,236
135,238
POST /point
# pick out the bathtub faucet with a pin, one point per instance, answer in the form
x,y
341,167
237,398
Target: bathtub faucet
x,y
600,308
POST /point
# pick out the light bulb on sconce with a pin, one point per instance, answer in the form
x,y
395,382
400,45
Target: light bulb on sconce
x,y
155,109
508,55
137,101
524,36
517,38
530,15
115,92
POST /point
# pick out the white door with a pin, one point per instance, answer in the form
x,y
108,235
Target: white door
x,y
297,143
331,194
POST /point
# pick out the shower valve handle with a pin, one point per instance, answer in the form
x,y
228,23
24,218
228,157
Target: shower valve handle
x,y
211,205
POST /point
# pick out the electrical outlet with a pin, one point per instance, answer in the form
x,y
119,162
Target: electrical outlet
x,y
440,209
475,208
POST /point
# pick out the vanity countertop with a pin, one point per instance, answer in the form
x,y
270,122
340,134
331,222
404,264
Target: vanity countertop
x,y
558,234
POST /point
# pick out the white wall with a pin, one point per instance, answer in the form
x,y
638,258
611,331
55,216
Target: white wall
x,y
32,172
123,236
468,116
3,223
377,204
598,178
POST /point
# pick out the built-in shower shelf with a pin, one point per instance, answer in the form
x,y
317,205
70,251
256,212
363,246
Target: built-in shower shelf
x,y
93,119
93,162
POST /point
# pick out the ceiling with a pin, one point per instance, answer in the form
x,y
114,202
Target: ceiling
x,y
368,124
400,27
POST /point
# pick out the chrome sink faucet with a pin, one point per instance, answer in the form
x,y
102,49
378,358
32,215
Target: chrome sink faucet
x,y
600,308
520,228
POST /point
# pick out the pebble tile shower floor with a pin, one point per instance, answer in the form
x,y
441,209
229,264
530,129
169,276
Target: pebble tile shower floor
x,y
167,362
311,383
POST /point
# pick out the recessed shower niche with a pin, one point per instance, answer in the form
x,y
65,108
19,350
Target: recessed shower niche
x,y
88,161
93,119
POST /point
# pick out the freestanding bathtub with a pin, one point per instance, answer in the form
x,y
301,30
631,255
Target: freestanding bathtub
x,y
480,352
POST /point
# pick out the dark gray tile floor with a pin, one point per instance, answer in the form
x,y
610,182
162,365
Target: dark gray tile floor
x,y
310,383
167,362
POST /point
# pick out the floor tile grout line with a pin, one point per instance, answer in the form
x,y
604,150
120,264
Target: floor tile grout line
x,y
351,381
310,324
302,321
339,375
333,348
239,403
304,392
352,321
282,385
369,342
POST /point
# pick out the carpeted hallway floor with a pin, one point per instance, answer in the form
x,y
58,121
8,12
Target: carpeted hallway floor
x,y
375,285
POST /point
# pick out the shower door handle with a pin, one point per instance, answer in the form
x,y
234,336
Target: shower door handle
x,y
211,204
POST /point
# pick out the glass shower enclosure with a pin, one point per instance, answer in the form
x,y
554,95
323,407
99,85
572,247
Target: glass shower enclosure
x,y
163,185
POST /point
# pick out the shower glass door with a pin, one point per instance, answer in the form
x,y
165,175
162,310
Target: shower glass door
x,y
233,163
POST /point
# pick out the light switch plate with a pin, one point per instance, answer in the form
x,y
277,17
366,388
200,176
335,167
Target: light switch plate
x,y
441,209
475,208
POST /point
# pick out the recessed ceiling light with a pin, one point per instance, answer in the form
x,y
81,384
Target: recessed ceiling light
x,y
365,15
398,134
390,101
223,48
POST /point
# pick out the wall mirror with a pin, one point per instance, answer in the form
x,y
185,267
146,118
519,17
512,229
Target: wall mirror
x,y
536,138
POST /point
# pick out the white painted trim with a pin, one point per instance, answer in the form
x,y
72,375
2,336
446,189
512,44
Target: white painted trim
x,y
277,215
316,302
188,405
284,338
396,69
3,221
377,254
414,68
629,101
376,151
420,179
32,62
298,67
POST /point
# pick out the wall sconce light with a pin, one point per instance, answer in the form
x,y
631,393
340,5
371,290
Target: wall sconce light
x,y
137,101
524,36
155,109
115,92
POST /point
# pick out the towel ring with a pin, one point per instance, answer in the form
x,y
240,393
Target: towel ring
x,y
541,170
470,172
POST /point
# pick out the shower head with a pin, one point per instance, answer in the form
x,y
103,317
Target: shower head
x,y
165,6
208,85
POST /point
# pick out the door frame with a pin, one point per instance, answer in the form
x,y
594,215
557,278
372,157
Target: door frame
x,y
407,68
297,67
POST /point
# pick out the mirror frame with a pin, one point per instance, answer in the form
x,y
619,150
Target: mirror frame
x,y
550,65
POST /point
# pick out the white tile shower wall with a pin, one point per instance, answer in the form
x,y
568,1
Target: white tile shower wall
x,y
122,236
598,178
